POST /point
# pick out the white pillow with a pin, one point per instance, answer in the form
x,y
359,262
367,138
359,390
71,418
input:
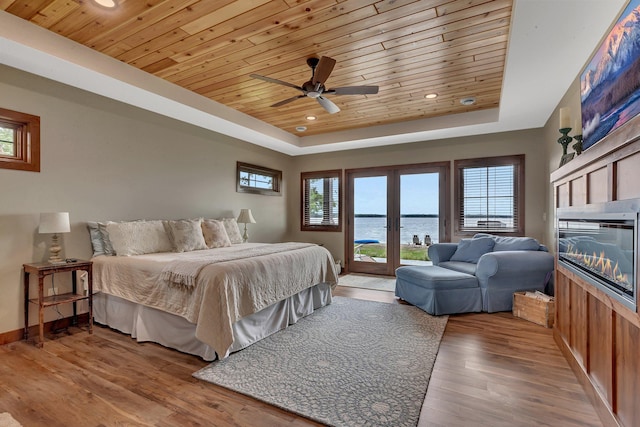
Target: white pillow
x,y
215,235
185,234
231,225
139,237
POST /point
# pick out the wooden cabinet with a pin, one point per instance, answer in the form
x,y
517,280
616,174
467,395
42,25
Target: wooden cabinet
x,y
599,336
45,269
601,340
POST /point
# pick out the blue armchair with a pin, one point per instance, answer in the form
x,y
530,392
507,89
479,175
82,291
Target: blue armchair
x,y
501,265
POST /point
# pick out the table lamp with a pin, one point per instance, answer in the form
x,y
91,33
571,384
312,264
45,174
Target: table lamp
x,y
245,218
54,222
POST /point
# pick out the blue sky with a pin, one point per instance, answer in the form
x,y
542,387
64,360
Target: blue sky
x,y
418,194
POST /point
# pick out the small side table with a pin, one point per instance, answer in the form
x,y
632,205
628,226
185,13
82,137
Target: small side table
x,y
43,269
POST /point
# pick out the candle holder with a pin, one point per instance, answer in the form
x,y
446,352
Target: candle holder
x,y
564,140
578,145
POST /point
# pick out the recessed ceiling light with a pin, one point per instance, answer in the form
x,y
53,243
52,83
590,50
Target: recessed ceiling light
x,y
470,100
311,117
301,128
106,3
431,95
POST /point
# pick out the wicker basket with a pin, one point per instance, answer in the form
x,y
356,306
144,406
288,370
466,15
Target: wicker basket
x,y
534,307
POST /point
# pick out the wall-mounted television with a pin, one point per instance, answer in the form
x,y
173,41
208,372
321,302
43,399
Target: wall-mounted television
x,y
610,83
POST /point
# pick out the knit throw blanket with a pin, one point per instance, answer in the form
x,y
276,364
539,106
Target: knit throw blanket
x,y
183,272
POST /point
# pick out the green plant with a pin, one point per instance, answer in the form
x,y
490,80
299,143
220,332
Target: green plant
x,y
418,253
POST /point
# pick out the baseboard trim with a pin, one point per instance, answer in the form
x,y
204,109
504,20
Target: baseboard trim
x,y
18,334
599,402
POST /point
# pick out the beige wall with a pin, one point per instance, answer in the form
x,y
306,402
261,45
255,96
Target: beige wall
x,y
102,160
529,142
551,134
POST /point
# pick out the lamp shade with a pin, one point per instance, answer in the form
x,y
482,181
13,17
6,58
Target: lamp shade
x,y
245,217
54,222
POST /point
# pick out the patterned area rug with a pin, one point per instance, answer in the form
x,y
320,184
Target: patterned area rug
x,y
351,363
368,281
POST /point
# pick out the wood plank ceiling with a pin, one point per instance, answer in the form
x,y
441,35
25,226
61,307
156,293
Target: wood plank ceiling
x,y
409,48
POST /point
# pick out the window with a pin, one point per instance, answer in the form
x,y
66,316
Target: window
x,y
19,141
321,205
490,195
258,179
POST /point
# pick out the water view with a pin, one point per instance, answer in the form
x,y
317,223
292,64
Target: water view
x,y
374,228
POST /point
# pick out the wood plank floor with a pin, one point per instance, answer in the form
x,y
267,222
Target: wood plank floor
x,y
491,370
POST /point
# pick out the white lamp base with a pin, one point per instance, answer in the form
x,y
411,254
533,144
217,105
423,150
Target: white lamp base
x,y
55,249
245,236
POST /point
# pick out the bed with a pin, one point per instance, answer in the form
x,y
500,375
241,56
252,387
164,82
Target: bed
x,y
212,302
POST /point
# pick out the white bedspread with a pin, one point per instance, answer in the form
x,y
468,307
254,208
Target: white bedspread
x,y
184,270
224,292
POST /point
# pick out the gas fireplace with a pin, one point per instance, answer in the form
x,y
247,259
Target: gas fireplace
x,y
601,248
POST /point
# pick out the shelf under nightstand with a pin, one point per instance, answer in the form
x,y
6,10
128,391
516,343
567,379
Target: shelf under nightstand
x,y
46,269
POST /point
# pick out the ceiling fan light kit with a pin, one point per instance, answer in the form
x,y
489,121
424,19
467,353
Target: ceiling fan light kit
x,y
314,88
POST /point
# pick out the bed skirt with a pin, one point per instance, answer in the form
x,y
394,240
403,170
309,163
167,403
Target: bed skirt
x,y
149,324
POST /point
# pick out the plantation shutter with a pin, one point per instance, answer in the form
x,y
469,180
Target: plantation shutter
x,y
306,203
329,199
321,200
489,199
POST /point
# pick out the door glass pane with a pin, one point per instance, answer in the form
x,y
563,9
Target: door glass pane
x,y
419,222
370,219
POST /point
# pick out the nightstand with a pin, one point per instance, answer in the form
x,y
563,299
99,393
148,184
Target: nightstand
x,y
43,269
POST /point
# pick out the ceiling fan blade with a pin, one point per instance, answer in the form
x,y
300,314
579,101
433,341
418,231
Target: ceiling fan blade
x,y
354,90
328,105
286,101
323,70
276,81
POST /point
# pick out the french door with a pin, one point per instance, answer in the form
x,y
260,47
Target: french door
x,y
393,214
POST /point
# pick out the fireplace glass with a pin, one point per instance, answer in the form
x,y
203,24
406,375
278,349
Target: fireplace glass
x,y
603,251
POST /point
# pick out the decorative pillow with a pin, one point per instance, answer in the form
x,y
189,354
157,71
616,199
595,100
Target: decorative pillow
x,y
215,235
138,237
470,250
96,238
509,243
106,241
104,236
231,225
185,234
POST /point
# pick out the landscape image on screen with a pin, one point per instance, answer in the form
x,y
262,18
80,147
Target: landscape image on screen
x,y
610,84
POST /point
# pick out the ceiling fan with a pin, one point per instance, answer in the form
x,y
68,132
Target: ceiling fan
x,y
314,88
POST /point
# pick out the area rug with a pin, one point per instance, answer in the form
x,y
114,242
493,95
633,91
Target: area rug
x,y
351,363
368,281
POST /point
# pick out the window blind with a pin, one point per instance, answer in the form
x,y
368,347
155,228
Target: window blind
x,y
321,201
489,199
321,198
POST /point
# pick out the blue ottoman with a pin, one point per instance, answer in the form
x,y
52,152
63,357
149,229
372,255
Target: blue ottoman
x,y
438,290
